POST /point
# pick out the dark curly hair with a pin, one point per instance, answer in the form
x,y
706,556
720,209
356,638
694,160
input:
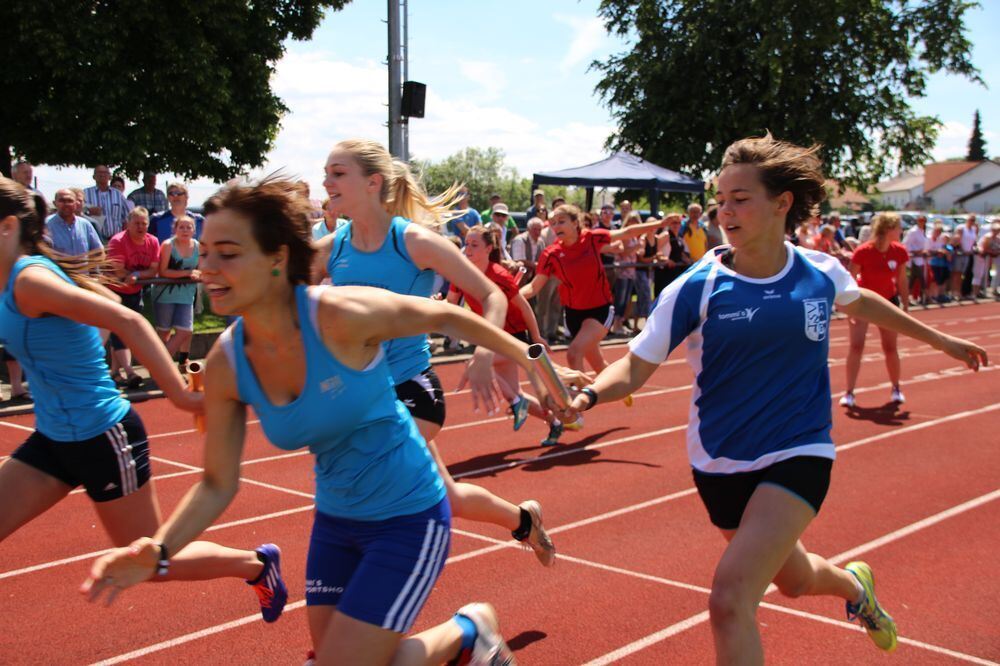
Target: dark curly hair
x,y
783,167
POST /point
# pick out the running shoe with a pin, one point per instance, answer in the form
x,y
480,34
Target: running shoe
x,y
629,400
538,540
269,586
880,626
575,425
847,400
897,396
520,412
490,649
555,431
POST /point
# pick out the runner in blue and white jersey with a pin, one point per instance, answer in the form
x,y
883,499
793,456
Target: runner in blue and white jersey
x,y
756,317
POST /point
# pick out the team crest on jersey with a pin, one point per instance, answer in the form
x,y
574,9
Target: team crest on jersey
x,y
817,318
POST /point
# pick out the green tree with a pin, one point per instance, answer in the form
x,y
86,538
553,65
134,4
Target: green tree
x,y
977,144
183,86
702,73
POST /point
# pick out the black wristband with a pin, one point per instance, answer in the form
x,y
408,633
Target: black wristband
x,y
591,395
163,562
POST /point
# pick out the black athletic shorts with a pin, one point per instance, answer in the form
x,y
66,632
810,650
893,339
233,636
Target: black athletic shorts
x,y
575,318
726,495
423,396
109,466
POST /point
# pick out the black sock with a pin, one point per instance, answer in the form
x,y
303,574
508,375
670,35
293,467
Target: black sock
x,y
522,532
263,560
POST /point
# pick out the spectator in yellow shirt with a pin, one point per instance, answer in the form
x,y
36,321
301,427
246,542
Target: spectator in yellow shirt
x,y
694,237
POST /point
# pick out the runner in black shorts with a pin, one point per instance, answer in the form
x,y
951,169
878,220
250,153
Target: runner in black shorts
x,y
575,259
423,396
86,433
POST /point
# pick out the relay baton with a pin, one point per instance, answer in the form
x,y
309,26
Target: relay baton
x,y
195,373
519,278
548,375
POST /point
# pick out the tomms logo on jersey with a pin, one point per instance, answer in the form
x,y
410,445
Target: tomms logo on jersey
x,y
746,314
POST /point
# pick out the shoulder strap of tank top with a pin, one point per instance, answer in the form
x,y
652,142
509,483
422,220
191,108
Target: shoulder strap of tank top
x,y
314,294
226,343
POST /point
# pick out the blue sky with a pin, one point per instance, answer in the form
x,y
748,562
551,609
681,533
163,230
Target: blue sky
x,y
508,74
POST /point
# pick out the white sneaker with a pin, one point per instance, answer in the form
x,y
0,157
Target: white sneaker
x,y
490,649
897,396
847,400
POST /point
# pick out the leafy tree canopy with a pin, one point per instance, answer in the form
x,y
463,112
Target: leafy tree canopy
x,y
702,73
483,171
181,86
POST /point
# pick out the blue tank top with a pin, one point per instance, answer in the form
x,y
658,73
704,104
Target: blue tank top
x,y
389,267
371,462
75,398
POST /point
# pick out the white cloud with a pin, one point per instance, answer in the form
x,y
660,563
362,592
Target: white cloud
x,y
588,36
488,75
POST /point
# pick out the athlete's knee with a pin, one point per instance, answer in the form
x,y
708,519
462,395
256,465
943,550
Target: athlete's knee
x,y
729,603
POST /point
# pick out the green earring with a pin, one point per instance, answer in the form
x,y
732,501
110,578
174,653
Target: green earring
x,y
275,272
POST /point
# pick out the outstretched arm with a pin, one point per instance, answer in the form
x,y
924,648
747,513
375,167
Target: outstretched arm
x,y
875,309
203,504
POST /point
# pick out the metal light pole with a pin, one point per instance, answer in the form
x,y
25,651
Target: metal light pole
x,y
397,65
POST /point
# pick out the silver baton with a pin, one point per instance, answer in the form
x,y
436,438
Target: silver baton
x,y
548,375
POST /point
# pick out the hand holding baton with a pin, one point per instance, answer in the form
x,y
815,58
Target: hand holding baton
x,y
550,379
195,373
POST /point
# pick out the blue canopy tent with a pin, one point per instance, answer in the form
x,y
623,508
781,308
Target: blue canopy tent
x,y
623,170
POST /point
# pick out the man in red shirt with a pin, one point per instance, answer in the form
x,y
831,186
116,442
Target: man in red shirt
x,y
134,253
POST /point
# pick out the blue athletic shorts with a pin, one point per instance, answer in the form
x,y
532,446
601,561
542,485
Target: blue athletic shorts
x,y
380,572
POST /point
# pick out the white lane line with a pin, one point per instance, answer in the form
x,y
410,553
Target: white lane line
x,y
700,618
98,553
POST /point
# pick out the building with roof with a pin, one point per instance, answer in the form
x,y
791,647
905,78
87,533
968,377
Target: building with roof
x,y
846,198
959,185
904,192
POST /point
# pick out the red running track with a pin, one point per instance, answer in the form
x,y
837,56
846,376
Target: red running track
x,y
914,493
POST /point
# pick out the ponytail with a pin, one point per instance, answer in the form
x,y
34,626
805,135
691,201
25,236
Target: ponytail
x,y
30,210
402,194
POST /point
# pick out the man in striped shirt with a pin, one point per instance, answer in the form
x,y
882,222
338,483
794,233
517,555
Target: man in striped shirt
x,y
105,204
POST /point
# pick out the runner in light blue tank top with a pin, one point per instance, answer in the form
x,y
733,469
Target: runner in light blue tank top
x,y
312,364
390,267
86,433
371,463
75,398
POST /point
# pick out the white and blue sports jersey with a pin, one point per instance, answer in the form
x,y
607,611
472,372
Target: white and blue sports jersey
x,y
759,349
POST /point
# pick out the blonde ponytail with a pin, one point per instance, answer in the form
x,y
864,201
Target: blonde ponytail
x,y
402,194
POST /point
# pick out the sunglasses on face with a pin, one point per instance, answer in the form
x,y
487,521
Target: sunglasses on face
x,y
176,193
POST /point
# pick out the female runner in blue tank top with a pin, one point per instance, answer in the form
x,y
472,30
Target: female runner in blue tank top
x,y
86,433
382,247
381,530
756,314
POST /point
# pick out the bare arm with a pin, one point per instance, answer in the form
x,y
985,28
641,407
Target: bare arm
x,y
875,309
529,317
635,230
203,504
621,378
902,287
531,289
39,291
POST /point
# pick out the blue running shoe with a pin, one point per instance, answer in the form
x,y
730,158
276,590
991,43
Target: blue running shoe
x,y
520,412
555,430
269,586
